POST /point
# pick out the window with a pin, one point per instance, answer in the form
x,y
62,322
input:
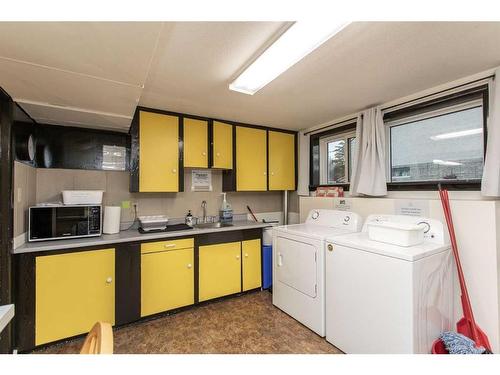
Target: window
x,y
336,154
439,137
446,144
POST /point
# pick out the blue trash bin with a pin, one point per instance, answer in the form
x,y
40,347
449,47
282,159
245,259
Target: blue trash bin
x,y
267,267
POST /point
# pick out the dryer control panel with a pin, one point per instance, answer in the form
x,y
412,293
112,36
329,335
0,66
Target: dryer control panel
x,y
335,219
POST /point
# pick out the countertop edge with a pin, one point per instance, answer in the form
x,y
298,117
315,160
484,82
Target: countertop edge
x,y
126,236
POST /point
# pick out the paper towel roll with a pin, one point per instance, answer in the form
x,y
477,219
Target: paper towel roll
x,y
111,220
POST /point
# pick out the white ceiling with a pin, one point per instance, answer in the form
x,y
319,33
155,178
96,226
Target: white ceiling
x,y
94,74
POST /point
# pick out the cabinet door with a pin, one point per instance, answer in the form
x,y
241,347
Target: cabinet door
x,y
252,267
195,143
223,145
167,280
251,159
158,152
281,161
73,292
219,270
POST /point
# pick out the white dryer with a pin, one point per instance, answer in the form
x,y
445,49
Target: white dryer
x,y
298,264
384,298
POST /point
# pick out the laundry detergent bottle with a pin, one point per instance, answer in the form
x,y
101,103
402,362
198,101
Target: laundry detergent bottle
x,y
225,212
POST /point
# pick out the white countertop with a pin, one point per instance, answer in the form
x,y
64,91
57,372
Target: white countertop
x,y
131,235
6,315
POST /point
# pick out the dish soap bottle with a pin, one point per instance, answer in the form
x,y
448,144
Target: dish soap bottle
x,y
189,219
225,212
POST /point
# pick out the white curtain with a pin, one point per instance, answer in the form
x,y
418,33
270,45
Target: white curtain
x,y
490,185
303,180
368,172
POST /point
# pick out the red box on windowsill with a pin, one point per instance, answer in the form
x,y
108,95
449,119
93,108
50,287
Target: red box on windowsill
x,y
330,191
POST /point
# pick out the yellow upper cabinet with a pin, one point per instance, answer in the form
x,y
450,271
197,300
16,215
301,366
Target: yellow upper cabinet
x,y
222,145
281,161
195,143
251,159
158,152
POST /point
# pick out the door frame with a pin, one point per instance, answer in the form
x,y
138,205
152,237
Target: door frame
x,y
6,211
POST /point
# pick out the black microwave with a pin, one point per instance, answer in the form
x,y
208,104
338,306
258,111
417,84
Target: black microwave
x,y
64,221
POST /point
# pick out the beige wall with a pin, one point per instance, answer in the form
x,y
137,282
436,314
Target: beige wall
x,y
24,195
293,202
47,184
477,227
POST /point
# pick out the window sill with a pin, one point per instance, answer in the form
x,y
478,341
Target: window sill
x,y
344,186
471,185
433,185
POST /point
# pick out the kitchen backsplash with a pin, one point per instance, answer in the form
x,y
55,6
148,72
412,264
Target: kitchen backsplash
x,y
32,186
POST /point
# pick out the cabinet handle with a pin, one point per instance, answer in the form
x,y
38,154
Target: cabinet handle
x,y
237,257
169,246
109,280
265,173
189,265
203,153
246,255
330,247
217,154
272,173
280,260
174,170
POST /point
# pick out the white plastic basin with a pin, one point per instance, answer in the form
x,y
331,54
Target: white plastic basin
x,y
82,196
400,234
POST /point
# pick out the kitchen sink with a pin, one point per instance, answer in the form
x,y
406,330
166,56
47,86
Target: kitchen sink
x,y
212,225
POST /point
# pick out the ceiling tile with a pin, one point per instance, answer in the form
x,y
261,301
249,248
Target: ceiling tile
x,y
62,116
33,83
365,64
118,51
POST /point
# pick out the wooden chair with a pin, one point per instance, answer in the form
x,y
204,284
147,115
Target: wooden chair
x,y
99,340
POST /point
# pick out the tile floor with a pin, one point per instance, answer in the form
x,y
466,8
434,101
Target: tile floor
x,y
243,324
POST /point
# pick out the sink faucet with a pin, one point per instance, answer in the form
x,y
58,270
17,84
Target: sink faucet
x,y
204,207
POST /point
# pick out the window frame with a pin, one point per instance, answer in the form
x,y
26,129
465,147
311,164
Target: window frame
x,y
389,125
345,127
323,157
443,105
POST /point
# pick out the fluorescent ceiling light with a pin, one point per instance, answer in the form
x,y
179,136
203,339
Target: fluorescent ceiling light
x,y
298,41
445,162
462,133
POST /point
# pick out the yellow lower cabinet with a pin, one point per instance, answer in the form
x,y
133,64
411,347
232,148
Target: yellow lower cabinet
x,y
219,270
72,292
167,280
252,267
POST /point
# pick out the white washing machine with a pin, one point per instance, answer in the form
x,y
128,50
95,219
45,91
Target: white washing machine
x,y
298,264
383,298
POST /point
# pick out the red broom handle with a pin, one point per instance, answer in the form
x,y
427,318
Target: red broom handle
x,y
466,305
